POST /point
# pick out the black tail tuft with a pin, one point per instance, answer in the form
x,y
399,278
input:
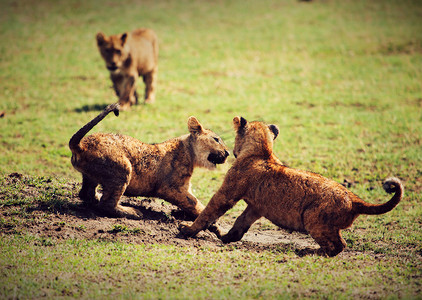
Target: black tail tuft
x,y
116,108
392,185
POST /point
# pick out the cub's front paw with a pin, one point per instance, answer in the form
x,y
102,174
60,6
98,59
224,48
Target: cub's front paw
x,y
215,229
226,239
150,100
124,105
185,229
231,236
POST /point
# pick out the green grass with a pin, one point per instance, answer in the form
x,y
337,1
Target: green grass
x,y
50,193
342,80
93,269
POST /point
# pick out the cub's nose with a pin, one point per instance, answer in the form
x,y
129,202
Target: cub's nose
x,y
112,67
226,153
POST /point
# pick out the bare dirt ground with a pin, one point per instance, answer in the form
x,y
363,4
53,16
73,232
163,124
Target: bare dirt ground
x,y
159,223
52,210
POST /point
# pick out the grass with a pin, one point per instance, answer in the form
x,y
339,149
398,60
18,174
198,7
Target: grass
x,y
51,193
93,269
342,80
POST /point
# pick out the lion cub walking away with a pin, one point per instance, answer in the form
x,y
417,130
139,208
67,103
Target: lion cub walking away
x,y
124,165
128,56
290,198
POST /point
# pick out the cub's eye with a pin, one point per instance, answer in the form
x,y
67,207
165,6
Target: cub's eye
x,y
118,52
216,139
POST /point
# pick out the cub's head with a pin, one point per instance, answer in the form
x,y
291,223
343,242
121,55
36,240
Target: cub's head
x,y
253,138
113,49
209,149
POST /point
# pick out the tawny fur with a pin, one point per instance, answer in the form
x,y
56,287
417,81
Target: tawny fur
x,y
123,165
292,199
129,56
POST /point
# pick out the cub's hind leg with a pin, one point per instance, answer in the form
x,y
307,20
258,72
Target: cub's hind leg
x,y
136,97
325,234
88,192
330,240
110,202
150,82
242,225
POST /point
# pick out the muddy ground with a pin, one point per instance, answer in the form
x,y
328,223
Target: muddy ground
x,y
65,217
73,220
159,225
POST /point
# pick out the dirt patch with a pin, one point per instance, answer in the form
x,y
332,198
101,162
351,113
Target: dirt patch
x,y
52,211
156,227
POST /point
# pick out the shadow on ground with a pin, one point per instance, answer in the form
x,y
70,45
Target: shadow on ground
x,y
64,217
92,107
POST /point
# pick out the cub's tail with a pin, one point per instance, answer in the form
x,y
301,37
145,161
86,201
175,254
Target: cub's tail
x,y
77,137
390,185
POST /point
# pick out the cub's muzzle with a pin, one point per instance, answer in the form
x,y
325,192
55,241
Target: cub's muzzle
x,y
218,158
112,68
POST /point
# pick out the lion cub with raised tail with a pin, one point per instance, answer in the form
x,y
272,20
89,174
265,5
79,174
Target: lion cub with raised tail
x,y
123,165
129,56
290,198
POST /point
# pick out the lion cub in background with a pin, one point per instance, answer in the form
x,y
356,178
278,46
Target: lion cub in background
x,y
129,56
123,165
290,198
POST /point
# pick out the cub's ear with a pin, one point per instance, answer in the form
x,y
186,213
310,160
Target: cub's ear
x,y
194,125
239,123
123,38
274,130
101,38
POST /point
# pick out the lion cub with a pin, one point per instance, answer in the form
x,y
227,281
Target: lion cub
x,y
124,165
290,198
128,56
